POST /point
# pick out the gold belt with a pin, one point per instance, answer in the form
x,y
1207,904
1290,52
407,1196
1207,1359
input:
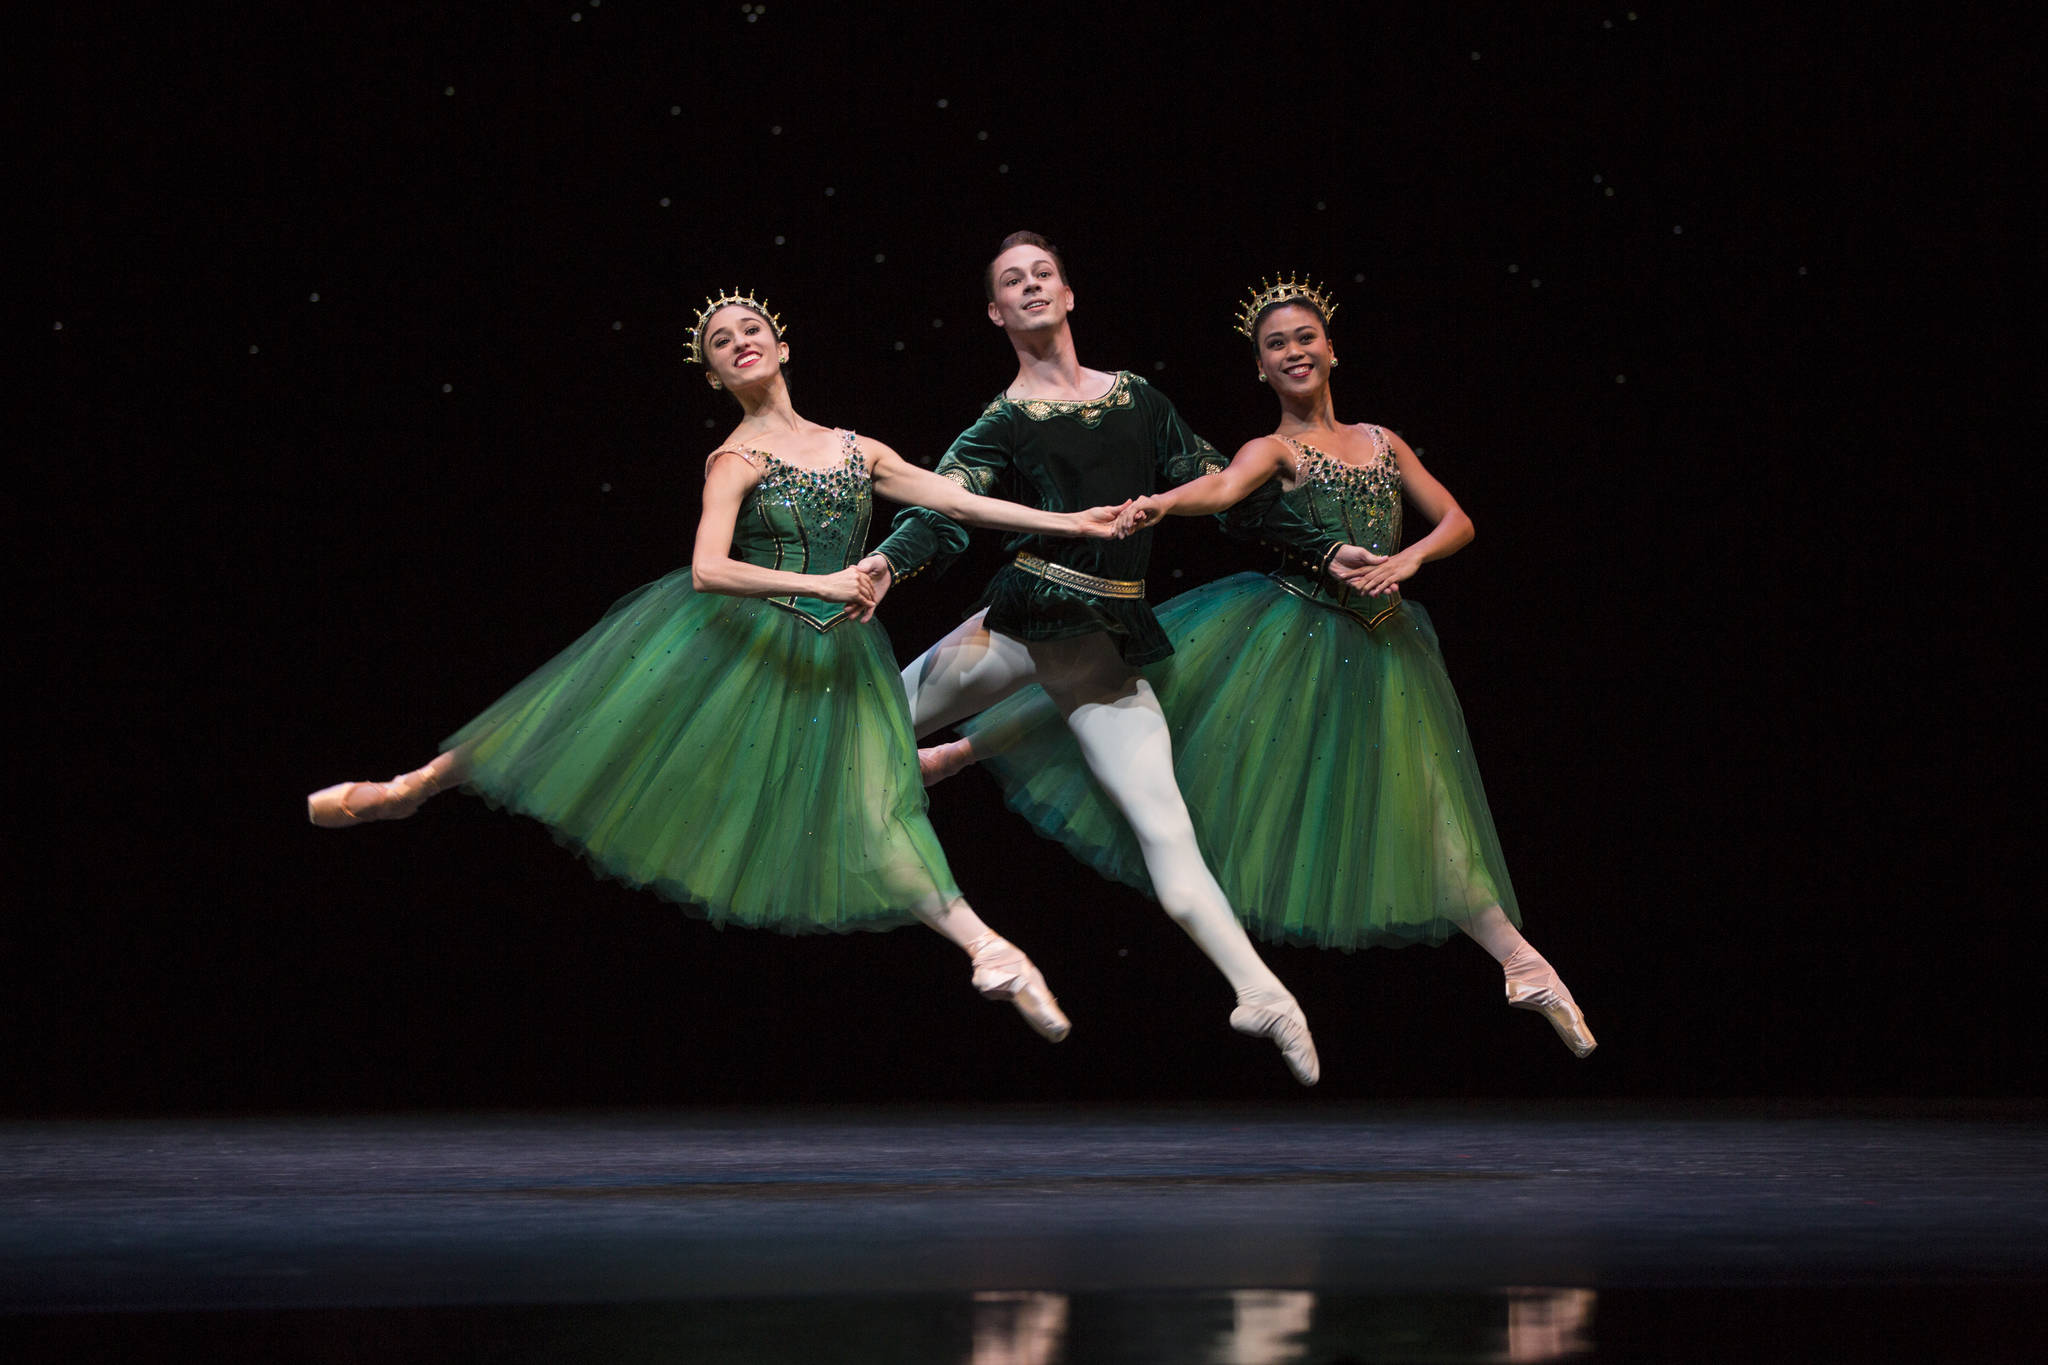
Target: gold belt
x,y
1084,582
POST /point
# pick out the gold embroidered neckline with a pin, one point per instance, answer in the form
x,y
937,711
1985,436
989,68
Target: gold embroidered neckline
x,y
1089,410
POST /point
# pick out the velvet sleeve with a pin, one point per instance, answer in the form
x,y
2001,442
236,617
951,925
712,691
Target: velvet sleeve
x,y
977,461
1182,454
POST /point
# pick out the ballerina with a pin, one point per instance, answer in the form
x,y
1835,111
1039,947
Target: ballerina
x,y
734,736
1333,778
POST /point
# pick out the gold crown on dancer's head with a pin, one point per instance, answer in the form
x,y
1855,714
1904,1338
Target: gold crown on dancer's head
x,y
1266,295
747,300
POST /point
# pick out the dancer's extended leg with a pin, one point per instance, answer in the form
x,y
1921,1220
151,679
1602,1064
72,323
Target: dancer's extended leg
x,y
1532,982
352,803
965,673
1001,971
1124,738
938,762
969,671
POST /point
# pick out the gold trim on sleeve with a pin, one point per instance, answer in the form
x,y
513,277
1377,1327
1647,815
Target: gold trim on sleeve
x,y
975,481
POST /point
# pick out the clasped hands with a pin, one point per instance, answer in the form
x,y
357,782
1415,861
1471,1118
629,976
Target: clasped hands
x,y
865,584
876,577
856,587
1353,566
1362,571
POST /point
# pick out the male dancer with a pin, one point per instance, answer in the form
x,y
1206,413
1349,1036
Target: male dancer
x,y
1071,615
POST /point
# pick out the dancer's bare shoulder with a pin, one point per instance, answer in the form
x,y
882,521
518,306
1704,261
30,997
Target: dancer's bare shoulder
x,y
742,461
809,446
1392,442
1265,450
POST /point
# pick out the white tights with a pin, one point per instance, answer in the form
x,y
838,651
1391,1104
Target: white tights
x,y
1123,736
1518,961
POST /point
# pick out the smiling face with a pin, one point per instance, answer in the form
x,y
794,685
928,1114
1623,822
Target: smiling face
x,y
740,348
1294,349
1028,293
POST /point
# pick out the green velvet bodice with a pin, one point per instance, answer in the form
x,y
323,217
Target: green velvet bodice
x,y
805,521
1355,504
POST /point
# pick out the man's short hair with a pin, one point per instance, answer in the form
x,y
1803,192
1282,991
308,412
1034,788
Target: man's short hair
x,y
988,272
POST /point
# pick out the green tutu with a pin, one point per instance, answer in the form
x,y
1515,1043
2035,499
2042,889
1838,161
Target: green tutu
x,y
727,754
1325,765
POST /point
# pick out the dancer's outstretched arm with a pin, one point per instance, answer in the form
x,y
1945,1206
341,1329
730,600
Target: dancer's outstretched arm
x,y
1186,459
1255,462
978,460
728,475
1249,471
901,481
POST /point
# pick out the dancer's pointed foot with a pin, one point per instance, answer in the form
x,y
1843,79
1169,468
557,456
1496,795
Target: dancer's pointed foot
x,y
1533,984
354,803
1002,972
1280,1019
941,761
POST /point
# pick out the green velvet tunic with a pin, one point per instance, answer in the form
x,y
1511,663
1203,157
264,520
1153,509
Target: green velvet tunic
x,y
1067,456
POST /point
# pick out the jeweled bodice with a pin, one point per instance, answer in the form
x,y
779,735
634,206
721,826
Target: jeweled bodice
x,y
1359,504
805,520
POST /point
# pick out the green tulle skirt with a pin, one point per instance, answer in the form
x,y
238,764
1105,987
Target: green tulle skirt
x,y
727,755
1326,766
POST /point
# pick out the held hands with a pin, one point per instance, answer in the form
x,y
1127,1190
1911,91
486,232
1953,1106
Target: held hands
x,y
878,573
1103,523
1360,570
853,587
1140,513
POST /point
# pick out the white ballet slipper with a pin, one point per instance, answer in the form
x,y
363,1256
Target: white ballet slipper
x,y
1283,1022
1002,972
941,761
352,803
1533,984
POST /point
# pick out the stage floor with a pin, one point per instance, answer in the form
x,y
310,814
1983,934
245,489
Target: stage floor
x,y
1035,1237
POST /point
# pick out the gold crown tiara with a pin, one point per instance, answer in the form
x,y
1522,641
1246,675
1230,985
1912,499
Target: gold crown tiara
x,y
1266,295
696,355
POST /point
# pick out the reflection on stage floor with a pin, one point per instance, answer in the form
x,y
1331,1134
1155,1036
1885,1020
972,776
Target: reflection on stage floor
x,y
1246,1237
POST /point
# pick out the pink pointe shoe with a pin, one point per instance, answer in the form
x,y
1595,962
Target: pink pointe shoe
x,y
353,803
1002,972
941,761
1283,1022
1536,987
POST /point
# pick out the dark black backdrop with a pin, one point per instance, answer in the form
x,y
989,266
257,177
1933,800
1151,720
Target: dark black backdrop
x,y
1715,328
